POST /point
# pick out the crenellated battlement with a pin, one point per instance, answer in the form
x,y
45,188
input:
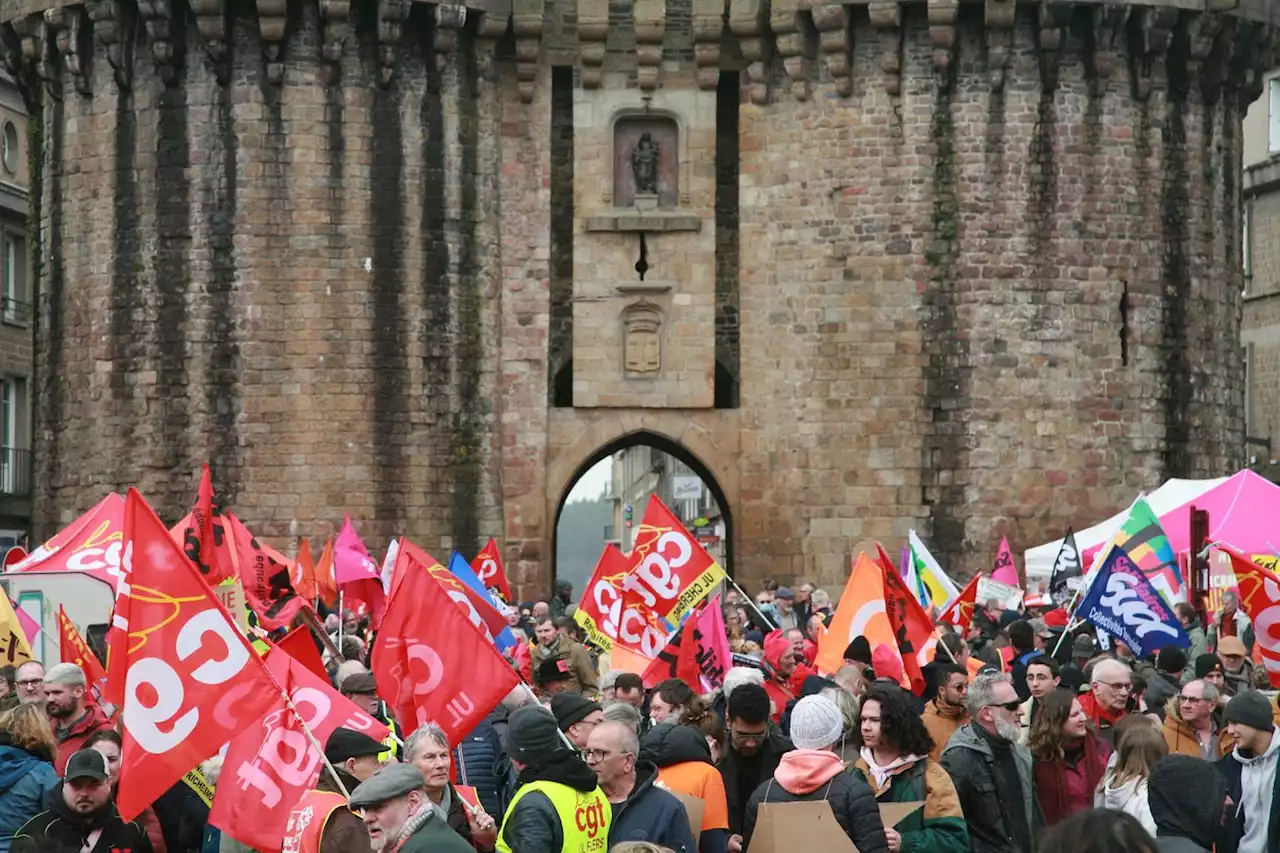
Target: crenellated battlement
x,y
786,47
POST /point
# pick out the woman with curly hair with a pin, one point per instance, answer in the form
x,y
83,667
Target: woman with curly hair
x,y
894,761
27,748
1070,760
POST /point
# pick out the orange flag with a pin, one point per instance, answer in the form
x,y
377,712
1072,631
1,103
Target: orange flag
x,y
74,649
960,611
305,581
861,613
326,584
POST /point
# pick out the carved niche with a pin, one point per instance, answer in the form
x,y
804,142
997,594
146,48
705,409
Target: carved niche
x,y
646,162
641,339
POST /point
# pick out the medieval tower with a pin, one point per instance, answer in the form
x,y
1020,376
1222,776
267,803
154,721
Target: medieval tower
x,y
971,266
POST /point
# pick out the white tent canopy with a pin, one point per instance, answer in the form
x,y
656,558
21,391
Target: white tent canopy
x,y
1173,494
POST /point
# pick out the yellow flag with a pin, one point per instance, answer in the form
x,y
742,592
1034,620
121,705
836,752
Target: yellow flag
x,y
14,649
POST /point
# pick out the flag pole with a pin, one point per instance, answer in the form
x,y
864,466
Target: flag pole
x,y
306,729
750,602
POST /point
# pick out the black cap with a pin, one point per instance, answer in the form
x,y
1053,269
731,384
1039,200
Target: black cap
x,y
349,743
359,683
1208,663
553,669
87,764
1171,659
570,708
859,649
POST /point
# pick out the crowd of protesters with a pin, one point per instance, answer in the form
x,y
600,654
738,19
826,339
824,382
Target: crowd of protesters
x,y
1026,739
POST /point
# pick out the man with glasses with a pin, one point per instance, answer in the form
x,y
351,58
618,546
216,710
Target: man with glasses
x,y
1191,726
577,716
992,771
755,749
1043,677
30,683
641,812
1107,701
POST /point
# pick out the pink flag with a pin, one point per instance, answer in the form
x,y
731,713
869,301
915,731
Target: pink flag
x,y
30,627
713,645
357,573
1004,571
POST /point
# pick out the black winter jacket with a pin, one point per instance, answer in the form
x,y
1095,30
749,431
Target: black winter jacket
x,y
851,800
486,768
651,814
59,830
771,752
533,825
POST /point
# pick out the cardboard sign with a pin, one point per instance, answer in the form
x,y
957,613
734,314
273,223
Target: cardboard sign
x,y
892,814
1008,596
694,806
804,825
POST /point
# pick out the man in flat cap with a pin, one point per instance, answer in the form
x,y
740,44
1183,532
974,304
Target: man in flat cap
x,y
399,816
322,822
362,689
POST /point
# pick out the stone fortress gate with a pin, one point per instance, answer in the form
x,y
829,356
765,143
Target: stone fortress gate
x,y
971,266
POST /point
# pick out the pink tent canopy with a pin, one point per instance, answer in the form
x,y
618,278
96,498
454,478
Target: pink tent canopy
x,y
1244,511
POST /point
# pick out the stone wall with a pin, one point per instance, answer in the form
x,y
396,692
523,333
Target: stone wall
x,y
968,267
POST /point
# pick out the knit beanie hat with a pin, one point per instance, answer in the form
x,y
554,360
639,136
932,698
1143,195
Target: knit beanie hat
x,y
1250,708
1185,796
570,708
816,723
1171,659
775,646
1208,663
859,649
532,735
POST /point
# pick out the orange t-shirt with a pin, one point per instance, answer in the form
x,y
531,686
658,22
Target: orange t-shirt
x,y
699,779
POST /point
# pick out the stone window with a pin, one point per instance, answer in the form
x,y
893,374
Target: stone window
x,y
14,418
9,145
16,304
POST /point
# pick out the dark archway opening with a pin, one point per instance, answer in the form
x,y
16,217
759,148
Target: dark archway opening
x,y
562,386
667,466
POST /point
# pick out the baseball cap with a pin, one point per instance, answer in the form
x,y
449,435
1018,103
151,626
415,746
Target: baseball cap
x,y
87,764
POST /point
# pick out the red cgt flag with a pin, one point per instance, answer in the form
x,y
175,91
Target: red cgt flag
x,y
272,763
265,576
960,611
412,559
432,664
301,647
1259,595
73,649
488,567
911,625
678,659
188,680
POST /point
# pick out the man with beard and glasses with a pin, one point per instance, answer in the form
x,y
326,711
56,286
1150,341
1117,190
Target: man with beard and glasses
x,y
73,722
81,815
30,682
946,712
992,772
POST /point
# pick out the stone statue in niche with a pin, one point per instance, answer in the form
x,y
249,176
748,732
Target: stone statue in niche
x,y
642,341
644,165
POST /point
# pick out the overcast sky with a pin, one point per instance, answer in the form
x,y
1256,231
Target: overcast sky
x,y
593,482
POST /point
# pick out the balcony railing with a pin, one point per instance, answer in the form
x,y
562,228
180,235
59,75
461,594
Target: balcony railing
x,y
15,471
15,311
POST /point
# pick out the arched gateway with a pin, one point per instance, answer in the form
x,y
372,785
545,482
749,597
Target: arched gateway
x,y
969,266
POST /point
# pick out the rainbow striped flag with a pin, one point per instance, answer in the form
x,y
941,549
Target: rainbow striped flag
x,y
1142,537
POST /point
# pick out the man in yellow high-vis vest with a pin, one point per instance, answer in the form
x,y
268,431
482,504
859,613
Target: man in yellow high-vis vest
x,y
559,807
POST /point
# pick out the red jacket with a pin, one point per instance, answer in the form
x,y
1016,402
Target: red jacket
x,y
72,738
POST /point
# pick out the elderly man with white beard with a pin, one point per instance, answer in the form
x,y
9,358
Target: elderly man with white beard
x,y
992,771
400,817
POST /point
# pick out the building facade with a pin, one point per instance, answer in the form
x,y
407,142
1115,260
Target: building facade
x,y
16,319
641,471
1260,318
968,267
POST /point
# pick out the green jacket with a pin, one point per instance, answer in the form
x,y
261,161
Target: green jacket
x,y
938,827
433,835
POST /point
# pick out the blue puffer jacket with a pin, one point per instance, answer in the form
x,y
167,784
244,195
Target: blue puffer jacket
x,y
485,767
25,779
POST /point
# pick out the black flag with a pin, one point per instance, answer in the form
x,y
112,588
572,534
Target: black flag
x,y
1066,568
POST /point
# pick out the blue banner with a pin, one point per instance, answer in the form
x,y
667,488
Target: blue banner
x,y
461,569
1122,602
